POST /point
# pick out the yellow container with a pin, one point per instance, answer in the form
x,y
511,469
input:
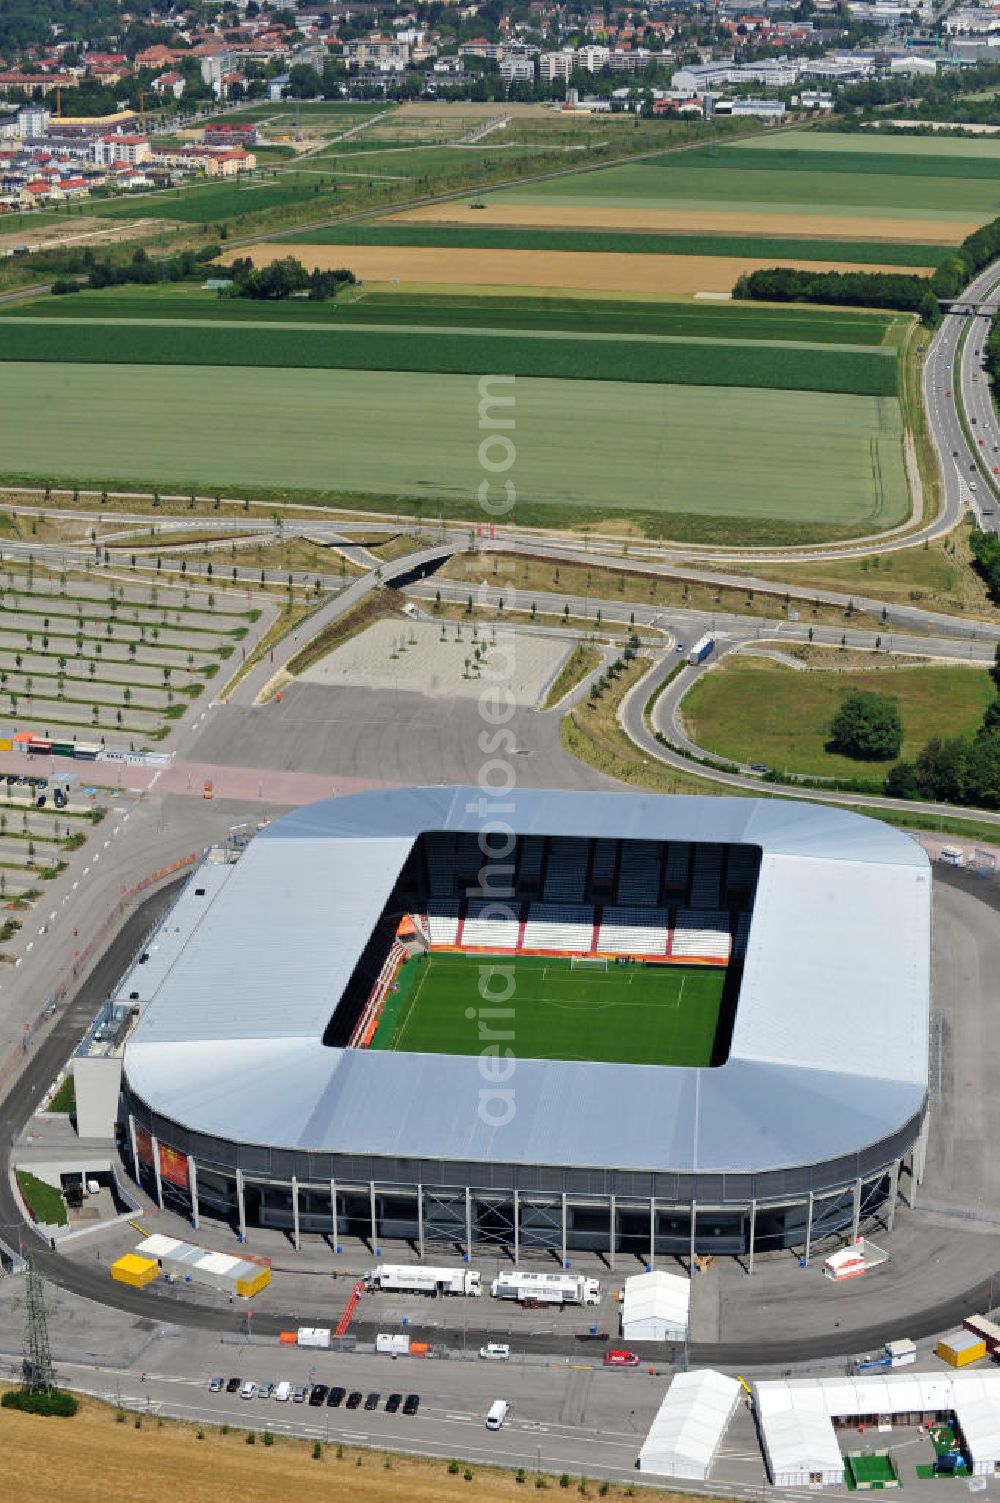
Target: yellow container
x,y
959,1348
135,1271
248,1287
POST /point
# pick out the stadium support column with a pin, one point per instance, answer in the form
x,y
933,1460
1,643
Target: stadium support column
x,y
893,1192
468,1224
517,1228
420,1222
371,1210
193,1186
753,1233
652,1233
611,1234
132,1145
333,1212
296,1241
241,1206
694,1224
156,1171
564,1228
856,1220
809,1226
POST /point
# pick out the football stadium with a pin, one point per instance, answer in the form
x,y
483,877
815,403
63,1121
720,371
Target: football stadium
x,y
615,1022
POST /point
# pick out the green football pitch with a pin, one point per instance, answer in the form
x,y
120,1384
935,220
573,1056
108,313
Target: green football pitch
x,y
627,1014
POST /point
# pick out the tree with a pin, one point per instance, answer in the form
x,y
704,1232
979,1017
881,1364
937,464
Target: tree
x,y
867,726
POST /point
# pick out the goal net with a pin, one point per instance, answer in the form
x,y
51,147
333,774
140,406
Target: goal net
x,y
588,963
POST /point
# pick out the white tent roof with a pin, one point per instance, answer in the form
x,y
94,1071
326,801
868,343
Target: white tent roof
x,y
689,1425
796,1417
656,1296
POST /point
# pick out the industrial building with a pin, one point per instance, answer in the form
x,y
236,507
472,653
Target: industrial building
x,y
234,1046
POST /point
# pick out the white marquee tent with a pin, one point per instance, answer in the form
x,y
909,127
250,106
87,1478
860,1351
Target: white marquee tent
x,y
796,1418
689,1425
656,1307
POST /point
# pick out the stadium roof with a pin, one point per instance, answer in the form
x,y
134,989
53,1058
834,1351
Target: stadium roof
x,y
829,1047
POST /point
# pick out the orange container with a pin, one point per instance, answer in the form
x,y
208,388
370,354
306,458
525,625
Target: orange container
x,y
288,1338
419,1348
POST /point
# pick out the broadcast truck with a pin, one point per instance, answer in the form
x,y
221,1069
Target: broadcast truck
x,y
403,1278
547,1288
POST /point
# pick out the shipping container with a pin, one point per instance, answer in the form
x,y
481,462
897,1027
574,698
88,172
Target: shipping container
x,y
980,1325
314,1336
134,1271
960,1347
392,1345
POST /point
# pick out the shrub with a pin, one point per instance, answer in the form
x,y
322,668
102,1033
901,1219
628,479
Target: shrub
x,y
317,1451
199,1434
453,1467
867,725
251,1438
467,1474
38,1401
267,1438
519,1475
564,1480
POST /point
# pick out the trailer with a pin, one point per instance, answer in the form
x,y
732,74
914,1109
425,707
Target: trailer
x,y
988,1330
547,1288
701,650
404,1278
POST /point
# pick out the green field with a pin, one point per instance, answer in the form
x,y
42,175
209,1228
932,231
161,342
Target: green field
x,y
594,357
624,242
860,144
628,1014
570,314
679,455
664,183
755,710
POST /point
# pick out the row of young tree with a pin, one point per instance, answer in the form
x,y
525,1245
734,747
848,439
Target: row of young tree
x,y
139,268
284,278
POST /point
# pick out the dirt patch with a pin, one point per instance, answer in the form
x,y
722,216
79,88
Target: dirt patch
x,y
432,110
52,236
583,216
571,270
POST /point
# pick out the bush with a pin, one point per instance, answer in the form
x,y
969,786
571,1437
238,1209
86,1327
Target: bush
x,y
467,1474
251,1438
564,1480
317,1451
267,1438
51,1402
453,1467
62,285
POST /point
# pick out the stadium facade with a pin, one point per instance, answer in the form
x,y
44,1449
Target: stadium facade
x,y
245,1095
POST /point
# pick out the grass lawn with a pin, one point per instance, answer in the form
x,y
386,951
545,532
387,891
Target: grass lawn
x,y
678,451
44,1201
754,709
652,1015
859,144
64,1099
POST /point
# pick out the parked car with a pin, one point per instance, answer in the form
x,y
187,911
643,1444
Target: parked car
x,y
234,1385
283,1392
371,1402
300,1394
217,1385
412,1403
353,1399
621,1358
495,1351
393,1402
335,1397
318,1395
265,1391
249,1389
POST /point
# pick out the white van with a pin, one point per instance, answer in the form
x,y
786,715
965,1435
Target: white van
x,y
248,1390
283,1393
499,1410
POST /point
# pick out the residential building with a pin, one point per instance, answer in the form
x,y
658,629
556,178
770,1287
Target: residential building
x,y
33,121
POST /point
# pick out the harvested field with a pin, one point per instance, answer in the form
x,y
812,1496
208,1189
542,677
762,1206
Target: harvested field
x,y
825,224
569,270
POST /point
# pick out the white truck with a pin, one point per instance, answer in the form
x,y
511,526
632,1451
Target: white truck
x,y
547,1288
404,1278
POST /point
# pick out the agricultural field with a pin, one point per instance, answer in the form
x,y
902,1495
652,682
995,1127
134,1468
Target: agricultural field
x,y
845,188
643,358
632,1014
680,453
754,709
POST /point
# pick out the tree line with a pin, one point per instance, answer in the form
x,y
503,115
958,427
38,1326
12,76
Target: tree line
x,y
880,289
139,268
284,278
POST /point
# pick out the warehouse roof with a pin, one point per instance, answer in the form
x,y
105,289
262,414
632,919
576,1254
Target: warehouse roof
x,y
829,1046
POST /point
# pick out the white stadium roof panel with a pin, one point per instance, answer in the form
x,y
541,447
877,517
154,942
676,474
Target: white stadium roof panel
x,y
828,1051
